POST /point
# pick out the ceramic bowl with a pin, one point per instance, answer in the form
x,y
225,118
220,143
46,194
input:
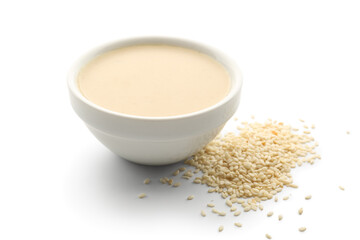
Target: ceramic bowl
x,y
155,140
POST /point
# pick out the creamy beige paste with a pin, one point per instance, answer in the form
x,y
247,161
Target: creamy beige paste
x,y
154,80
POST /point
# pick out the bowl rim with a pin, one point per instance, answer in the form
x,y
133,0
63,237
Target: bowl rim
x,y
228,63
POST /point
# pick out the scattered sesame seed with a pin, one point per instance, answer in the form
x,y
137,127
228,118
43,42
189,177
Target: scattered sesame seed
x,y
301,120
261,207
162,180
170,181
248,208
238,224
300,211
313,126
347,132
233,209
235,118
215,211
269,214
221,228
176,172
267,236
191,197
197,170
203,213
197,181
182,169
308,197
307,132
276,199
240,201
306,127
228,203
280,217
342,188
237,213
302,229
177,184
141,195
222,213
286,198
252,117
211,205
147,181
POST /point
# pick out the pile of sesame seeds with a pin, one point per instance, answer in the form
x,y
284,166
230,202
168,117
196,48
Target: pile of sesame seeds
x,y
254,164
251,166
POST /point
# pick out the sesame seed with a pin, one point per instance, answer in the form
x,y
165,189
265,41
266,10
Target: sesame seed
x,y
222,213
162,180
170,181
267,236
306,127
141,195
280,217
347,132
235,118
238,224
246,209
237,213
182,169
307,132
300,211
233,209
191,197
286,198
221,228
276,199
301,120
211,205
252,117
147,181
308,197
228,203
313,126
203,213
177,184
215,211
261,207
197,181
341,188
269,214
176,172
240,201
302,229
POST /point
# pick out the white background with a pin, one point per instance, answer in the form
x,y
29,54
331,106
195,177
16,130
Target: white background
x,y
300,59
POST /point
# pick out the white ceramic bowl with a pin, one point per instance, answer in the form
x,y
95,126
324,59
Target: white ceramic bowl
x,y
155,140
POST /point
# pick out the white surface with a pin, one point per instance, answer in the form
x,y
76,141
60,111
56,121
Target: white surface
x,y
156,140
298,58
